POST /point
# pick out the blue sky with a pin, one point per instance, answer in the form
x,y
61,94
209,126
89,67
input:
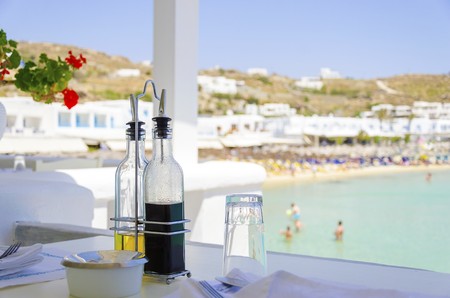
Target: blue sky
x,y
358,38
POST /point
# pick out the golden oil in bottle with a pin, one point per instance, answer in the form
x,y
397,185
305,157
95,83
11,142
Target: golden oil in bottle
x,y
126,241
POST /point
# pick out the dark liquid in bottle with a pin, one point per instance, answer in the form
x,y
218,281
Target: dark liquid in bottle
x,y
165,253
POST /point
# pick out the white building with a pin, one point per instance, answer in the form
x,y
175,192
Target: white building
x,y
328,73
383,107
127,73
402,111
147,63
217,84
104,122
420,109
445,113
101,120
258,71
222,125
270,110
351,127
309,83
423,109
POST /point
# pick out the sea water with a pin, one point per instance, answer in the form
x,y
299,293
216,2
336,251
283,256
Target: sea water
x,y
397,219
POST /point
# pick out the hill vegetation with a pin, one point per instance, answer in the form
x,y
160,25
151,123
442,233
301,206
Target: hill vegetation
x,y
342,97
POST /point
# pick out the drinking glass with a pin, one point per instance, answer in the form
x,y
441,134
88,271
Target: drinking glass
x,y
19,163
244,234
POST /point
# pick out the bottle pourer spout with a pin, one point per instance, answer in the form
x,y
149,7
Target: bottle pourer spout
x,y
162,104
133,103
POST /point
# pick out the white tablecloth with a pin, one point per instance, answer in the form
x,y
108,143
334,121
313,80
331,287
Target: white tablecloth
x,y
204,261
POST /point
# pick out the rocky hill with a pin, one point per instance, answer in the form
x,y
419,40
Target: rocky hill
x,y
98,80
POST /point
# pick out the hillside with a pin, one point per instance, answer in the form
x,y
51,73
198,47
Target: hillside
x,y
342,97
94,81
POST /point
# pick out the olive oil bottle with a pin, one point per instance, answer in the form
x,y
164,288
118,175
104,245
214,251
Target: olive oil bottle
x,y
129,210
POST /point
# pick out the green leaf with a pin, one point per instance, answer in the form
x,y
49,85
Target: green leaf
x,y
43,58
14,59
61,85
52,70
23,79
30,64
13,43
3,40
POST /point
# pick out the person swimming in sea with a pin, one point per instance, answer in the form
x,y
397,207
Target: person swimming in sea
x,y
339,232
295,214
287,233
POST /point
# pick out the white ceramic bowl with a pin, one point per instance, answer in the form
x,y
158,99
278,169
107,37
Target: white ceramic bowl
x,y
104,273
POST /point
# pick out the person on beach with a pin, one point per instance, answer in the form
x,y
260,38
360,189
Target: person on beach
x,y
292,169
428,177
314,169
287,233
295,214
339,232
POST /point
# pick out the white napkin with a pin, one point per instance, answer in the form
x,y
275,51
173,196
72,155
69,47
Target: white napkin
x,y
285,284
25,257
49,269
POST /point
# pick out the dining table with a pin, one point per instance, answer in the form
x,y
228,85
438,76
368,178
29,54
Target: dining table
x,y
204,261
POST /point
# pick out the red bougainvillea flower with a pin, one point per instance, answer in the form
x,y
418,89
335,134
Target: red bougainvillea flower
x,y
3,73
70,98
82,58
74,61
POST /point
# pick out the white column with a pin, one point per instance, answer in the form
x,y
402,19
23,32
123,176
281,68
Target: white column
x,y
175,44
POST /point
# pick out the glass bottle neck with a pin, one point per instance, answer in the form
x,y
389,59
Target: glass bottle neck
x,y
131,147
162,147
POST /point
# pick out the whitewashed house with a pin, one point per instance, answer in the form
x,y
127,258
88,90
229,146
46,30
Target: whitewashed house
x,y
217,84
94,122
385,106
258,71
309,83
127,73
445,112
402,111
424,109
328,73
270,110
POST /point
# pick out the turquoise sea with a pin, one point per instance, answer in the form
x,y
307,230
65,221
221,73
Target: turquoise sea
x,y
397,219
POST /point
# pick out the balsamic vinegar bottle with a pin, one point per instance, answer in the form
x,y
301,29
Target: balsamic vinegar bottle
x,y
125,207
164,196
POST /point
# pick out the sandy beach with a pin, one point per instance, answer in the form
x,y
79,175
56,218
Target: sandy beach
x,y
286,170
354,172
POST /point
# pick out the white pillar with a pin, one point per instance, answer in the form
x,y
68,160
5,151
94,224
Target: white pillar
x,y
175,44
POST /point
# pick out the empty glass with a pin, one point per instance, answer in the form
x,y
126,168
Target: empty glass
x,y
19,163
244,234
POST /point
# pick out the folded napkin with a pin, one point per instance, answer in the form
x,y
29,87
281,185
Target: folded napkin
x,y
25,257
191,288
29,272
285,284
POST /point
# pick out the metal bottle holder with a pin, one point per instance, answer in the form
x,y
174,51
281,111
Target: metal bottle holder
x,y
139,224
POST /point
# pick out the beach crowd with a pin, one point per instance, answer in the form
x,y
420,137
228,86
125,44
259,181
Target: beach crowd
x,y
298,161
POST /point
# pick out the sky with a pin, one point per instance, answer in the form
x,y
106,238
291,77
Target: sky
x,y
295,38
